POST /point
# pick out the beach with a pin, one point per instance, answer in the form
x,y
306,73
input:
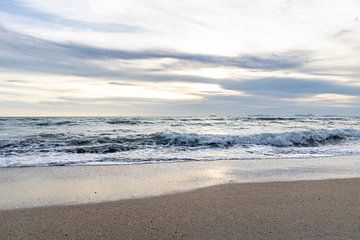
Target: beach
x,y
179,120
254,199
325,209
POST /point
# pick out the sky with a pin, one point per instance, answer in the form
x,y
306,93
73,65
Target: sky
x,y
170,57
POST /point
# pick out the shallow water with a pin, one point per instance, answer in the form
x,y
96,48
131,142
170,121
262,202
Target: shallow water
x,y
129,140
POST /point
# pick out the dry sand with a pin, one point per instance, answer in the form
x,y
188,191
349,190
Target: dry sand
x,y
327,209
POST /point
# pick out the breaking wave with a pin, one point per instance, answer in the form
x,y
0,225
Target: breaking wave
x,y
98,144
287,139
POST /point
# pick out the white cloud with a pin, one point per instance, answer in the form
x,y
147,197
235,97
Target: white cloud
x,y
216,27
327,99
33,88
326,30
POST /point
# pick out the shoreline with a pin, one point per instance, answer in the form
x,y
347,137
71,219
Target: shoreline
x,y
310,209
180,161
72,185
175,193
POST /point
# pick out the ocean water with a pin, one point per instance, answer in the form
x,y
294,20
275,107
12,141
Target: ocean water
x,y
131,140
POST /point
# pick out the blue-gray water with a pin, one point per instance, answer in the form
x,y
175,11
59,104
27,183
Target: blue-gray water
x,y
128,140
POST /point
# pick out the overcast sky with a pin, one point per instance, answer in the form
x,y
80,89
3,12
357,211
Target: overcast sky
x,y
171,57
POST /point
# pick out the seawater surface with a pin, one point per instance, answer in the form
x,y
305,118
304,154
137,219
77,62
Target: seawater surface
x,y
128,140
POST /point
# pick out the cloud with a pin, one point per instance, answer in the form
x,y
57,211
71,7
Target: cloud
x,y
290,87
342,32
164,56
29,54
26,53
20,12
328,100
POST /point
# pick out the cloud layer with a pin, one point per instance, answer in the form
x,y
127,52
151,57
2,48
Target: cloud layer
x,y
179,58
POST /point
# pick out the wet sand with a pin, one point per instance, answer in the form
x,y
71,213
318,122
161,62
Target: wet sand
x,y
325,209
71,185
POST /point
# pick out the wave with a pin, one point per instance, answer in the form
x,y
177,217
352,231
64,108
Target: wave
x,y
104,144
271,118
60,123
100,149
128,122
121,121
287,139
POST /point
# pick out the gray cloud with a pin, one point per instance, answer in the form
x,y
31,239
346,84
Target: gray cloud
x,y
272,62
289,87
342,33
14,81
27,53
24,53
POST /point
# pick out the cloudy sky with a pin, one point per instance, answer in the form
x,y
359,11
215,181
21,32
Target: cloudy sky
x,y
170,57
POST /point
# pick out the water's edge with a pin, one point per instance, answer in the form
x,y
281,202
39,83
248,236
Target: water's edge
x,y
48,186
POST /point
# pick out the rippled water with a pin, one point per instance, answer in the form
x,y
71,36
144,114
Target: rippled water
x,y
128,140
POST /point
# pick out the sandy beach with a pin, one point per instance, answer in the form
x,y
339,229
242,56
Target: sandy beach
x,y
255,199
179,120
327,209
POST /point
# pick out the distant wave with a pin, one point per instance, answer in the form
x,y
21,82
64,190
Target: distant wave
x,y
128,121
173,121
272,118
59,123
123,121
103,144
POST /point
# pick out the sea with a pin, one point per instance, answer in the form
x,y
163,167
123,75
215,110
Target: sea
x,y
65,141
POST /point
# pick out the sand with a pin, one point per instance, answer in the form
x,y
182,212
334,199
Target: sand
x,y
325,209
47,186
